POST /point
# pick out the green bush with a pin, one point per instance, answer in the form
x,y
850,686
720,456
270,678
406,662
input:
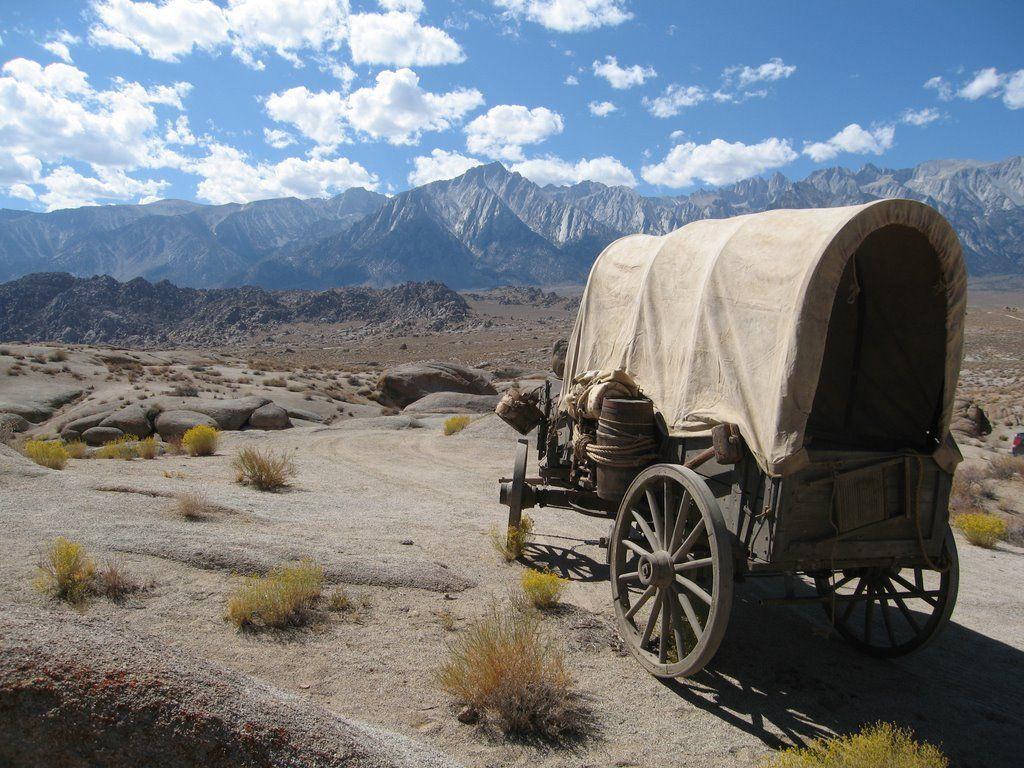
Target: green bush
x,y
280,599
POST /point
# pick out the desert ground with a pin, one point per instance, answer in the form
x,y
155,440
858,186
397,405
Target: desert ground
x,y
400,515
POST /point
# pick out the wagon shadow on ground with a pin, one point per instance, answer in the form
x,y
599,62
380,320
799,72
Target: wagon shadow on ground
x,y
567,561
783,676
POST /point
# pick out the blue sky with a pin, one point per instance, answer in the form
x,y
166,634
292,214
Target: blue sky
x,y
235,100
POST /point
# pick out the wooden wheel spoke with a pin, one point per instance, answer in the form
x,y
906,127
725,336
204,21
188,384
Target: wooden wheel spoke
x,y
666,533
682,513
678,632
695,589
902,606
843,582
689,565
666,620
869,615
648,533
651,621
659,523
634,547
629,578
886,620
691,615
856,593
647,595
929,597
690,540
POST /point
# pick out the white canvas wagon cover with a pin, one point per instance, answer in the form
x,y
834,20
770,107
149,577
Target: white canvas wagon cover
x,y
728,321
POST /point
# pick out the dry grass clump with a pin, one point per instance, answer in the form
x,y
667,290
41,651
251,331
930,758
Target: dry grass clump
x,y
265,470
278,382
510,545
282,598
195,506
65,571
454,424
981,528
47,453
970,488
1006,467
881,744
350,608
200,440
511,673
147,447
125,447
76,449
543,588
113,582
58,356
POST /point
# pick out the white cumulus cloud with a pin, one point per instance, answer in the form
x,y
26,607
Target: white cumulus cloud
x,y
941,86
277,138
568,15
854,140
228,176
717,162
984,83
601,108
165,31
502,131
675,99
412,6
60,44
439,165
1013,91
66,188
772,70
622,77
920,117
319,116
554,170
398,39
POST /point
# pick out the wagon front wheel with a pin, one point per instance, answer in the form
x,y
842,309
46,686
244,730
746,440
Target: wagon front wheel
x,y
892,611
671,571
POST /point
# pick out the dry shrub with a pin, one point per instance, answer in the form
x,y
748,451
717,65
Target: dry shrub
x,y
65,571
113,582
981,528
350,608
881,744
278,382
282,598
195,506
200,440
512,673
125,447
510,545
970,488
76,449
184,391
454,424
543,588
1005,467
147,447
47,453
265,470
58,356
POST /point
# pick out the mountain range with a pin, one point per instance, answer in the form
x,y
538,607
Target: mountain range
x,y
487,227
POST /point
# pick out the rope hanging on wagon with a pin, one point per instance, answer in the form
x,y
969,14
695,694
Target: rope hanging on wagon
x,y
635,453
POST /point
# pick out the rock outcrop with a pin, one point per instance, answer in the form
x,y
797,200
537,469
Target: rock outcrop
x,y
131,420
171,425
405,384
969,419
452,402
270,416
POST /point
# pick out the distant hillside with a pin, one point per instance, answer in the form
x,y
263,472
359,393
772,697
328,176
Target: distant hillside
x,y
485,228
60,307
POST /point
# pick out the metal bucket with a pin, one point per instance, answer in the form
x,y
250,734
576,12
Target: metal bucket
x,y
624,445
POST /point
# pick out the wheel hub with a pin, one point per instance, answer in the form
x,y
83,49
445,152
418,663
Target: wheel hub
x,y
657,569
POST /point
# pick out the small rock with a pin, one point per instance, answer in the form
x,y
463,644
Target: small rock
x,y
131,420
270,416
17,423
406,542
468,715
101,435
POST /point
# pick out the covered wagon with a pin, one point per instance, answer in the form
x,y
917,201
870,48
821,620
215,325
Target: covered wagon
x,y
765,394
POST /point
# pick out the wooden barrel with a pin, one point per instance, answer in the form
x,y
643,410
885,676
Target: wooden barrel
x,y
625,444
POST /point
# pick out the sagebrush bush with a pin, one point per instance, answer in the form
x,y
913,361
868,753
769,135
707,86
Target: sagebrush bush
x,y
969,489
114,582
282,598
455,424
47,453
76,449
1006,467
513,674
200,440
58,356
147,447
543,588
981,528
875,746
265,470
195,506
65,572
510,543
125,447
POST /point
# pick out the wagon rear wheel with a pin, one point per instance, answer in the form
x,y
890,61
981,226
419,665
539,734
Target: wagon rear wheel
x,y
892,611
671,571
517,487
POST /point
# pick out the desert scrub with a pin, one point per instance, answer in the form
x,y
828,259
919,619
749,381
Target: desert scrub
x,y
510,544
124,447
282,598
200,440
114,582
543,588
1006,467
47,453
882,744
194,506
454,424
266,470
350,608
65,571
981,528
970,488
76,449
510,672
147,447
